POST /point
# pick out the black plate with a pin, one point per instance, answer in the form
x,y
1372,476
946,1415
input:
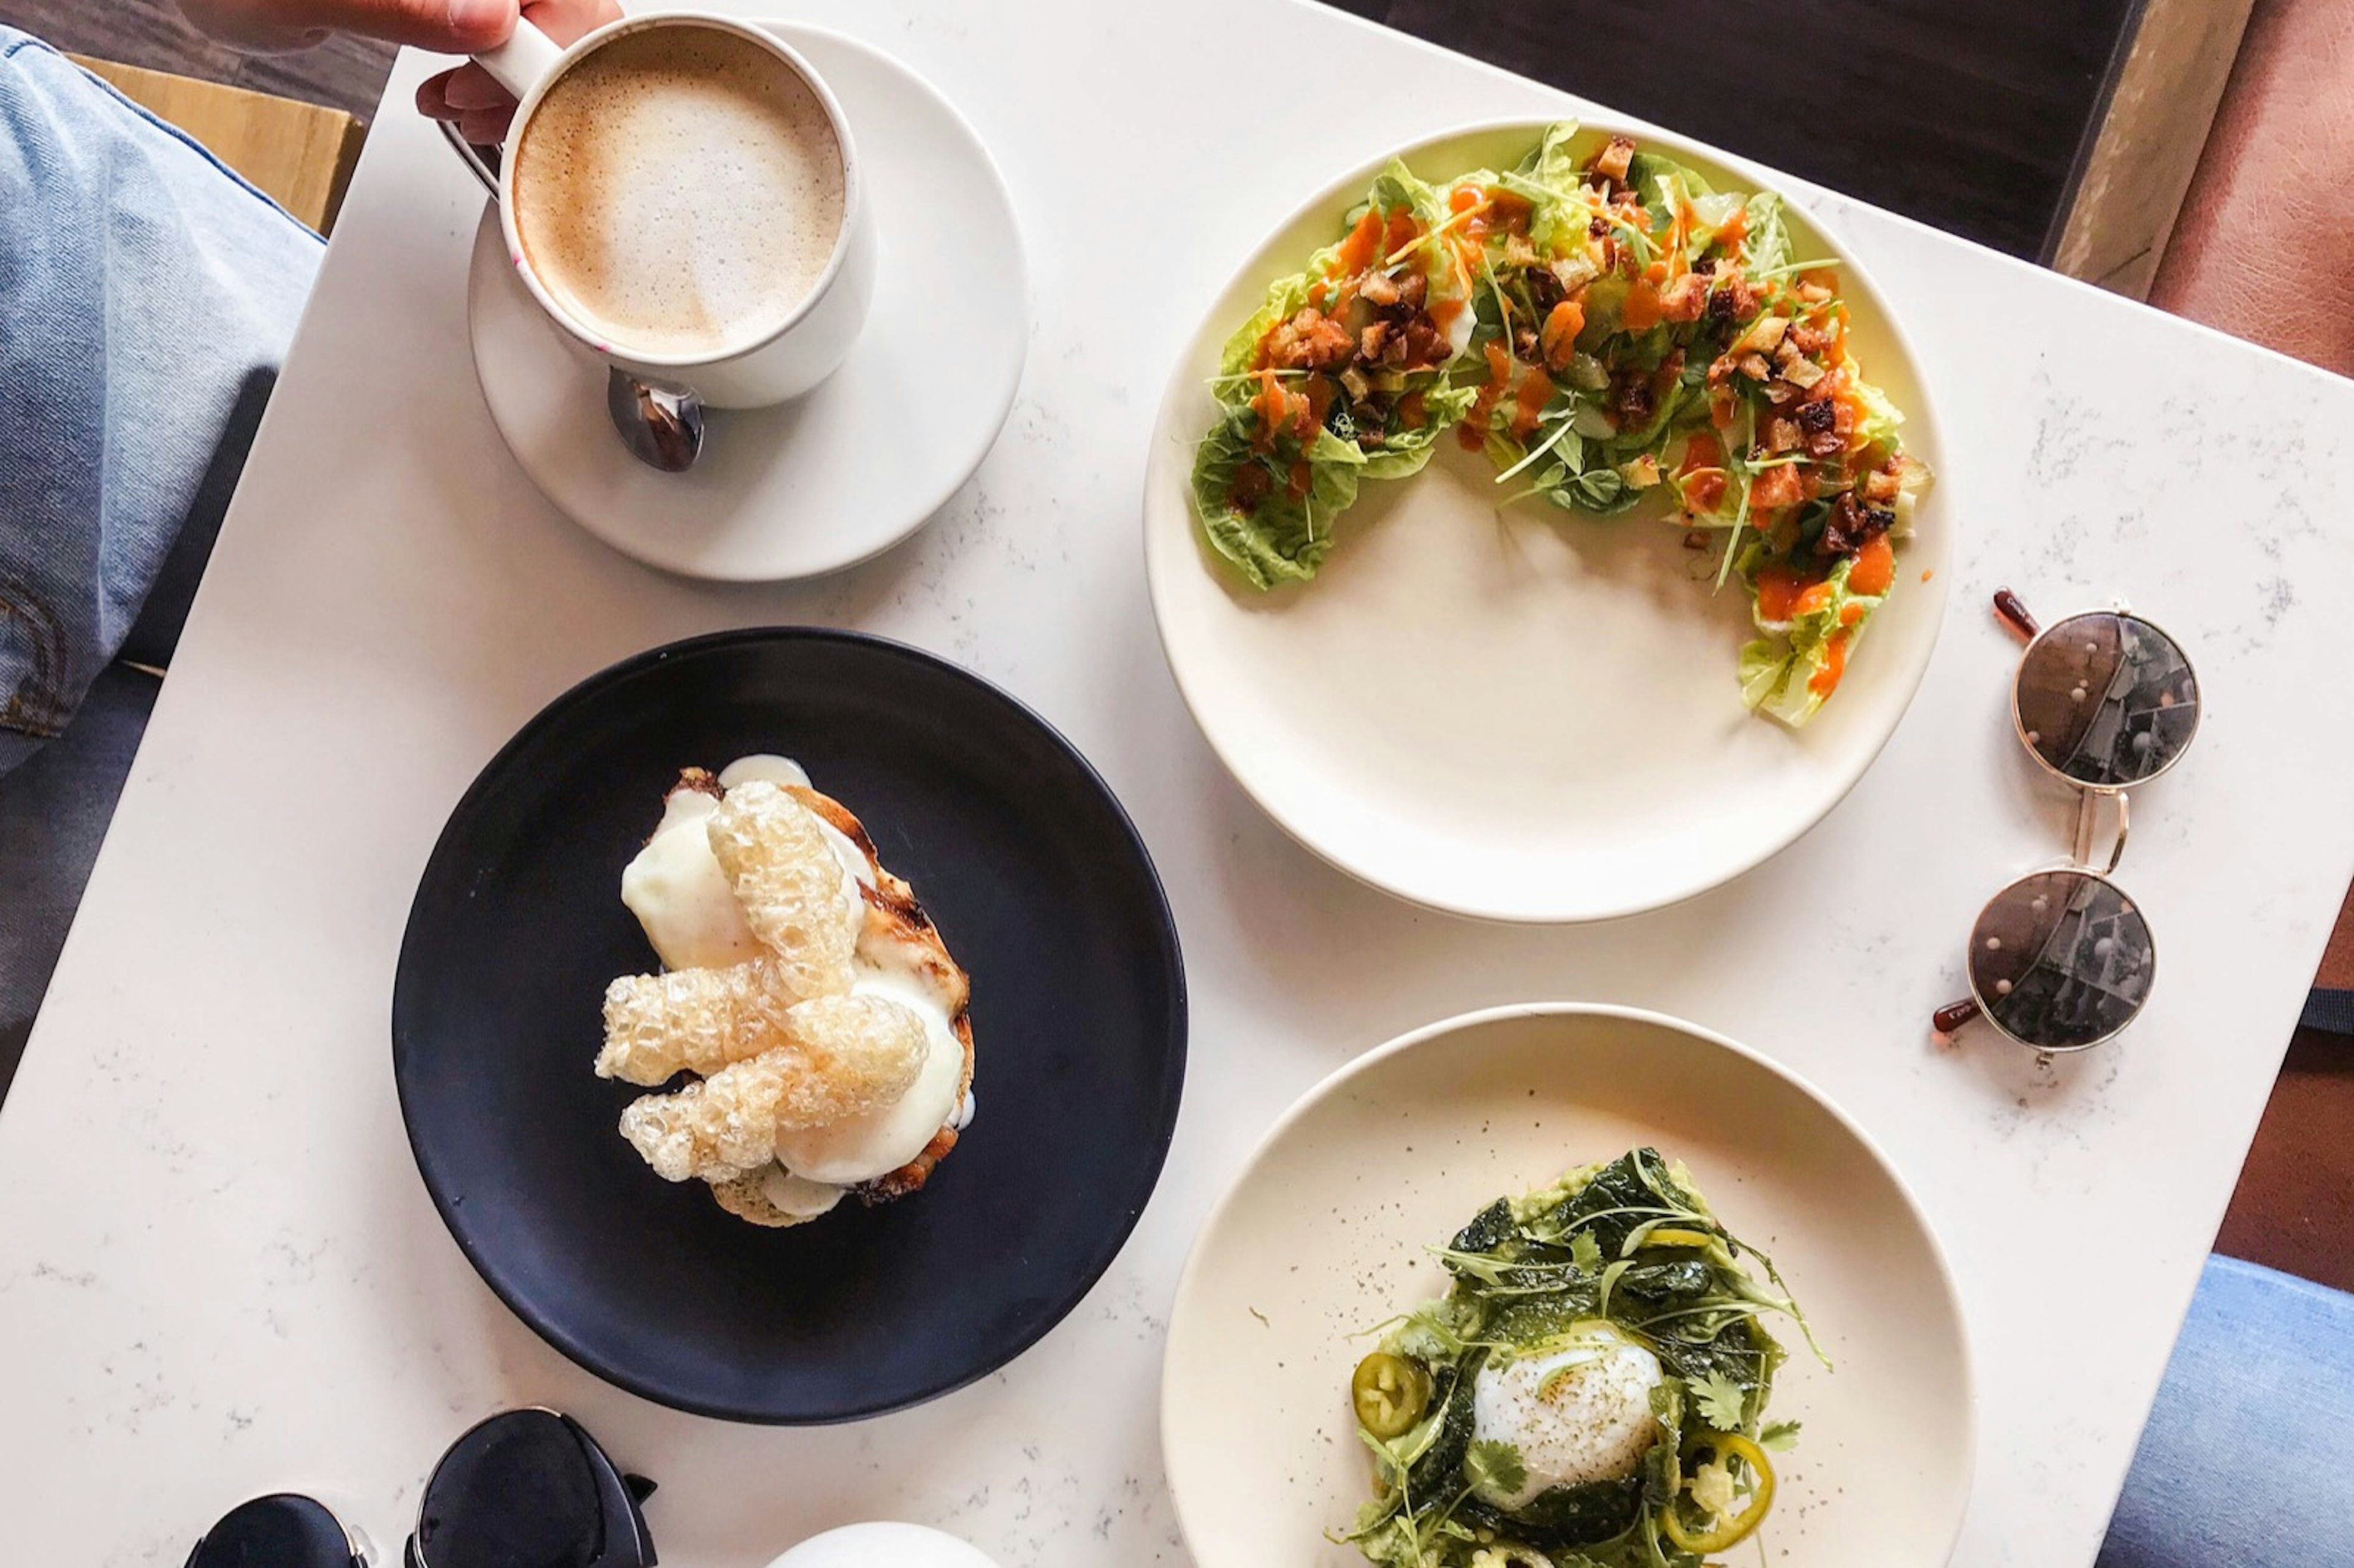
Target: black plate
x,y
1045,895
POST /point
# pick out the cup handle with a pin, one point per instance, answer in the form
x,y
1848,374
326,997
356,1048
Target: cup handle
x,y
471,158
520,62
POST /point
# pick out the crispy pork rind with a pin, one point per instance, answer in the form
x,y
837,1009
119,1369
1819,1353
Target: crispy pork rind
x,y
794,894
844,1055
701,1020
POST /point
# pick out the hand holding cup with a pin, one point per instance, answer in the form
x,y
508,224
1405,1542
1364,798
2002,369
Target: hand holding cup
x,y
470,99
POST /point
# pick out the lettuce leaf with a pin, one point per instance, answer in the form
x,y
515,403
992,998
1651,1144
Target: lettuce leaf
x,y
1395,186
1285,537
1284,296
1403,453
1779,669
1549,162
1769,233
1881,418
1399,186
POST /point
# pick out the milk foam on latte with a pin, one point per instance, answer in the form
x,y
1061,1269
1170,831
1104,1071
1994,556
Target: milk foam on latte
x,y
679,190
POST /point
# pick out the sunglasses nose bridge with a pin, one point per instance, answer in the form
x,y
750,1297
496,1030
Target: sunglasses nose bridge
x,y
2088,824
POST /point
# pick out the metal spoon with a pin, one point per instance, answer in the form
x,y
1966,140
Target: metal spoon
x,y
662,426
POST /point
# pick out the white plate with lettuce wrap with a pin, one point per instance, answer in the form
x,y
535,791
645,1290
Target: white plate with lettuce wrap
x,y
1612,651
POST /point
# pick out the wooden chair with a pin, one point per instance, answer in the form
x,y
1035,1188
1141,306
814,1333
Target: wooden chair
x,y
299,153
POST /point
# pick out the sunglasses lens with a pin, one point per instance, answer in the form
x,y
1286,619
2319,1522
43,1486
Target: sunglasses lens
x,y
2107,699
518,1491
281,1532
2060,961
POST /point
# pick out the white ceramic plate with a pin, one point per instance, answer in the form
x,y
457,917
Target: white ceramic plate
x,y
1529,716
1324,1236
844,473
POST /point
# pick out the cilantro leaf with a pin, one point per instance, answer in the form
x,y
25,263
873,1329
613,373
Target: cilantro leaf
x,y
1719,1401
1585,1252
1494,1467
1781,1437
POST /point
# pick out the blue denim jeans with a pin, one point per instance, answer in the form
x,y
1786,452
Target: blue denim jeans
x,y
146,298
2248,1459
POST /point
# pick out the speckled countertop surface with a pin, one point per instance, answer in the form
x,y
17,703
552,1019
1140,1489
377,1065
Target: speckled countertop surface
x,y
219,1274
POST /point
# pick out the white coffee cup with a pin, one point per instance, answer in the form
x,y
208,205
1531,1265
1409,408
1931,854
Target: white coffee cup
x,y
786,358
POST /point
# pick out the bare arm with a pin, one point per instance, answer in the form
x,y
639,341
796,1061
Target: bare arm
x,y
452,26
466,95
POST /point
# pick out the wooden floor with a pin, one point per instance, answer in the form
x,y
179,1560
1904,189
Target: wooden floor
x,y
346,74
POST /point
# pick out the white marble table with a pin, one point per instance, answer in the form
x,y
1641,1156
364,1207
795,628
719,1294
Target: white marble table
x,y
218,1272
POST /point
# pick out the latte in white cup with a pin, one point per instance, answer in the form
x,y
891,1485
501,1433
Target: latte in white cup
x,y
679,190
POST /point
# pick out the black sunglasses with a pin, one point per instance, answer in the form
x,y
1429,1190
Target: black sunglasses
x,y
525,1489
2062,959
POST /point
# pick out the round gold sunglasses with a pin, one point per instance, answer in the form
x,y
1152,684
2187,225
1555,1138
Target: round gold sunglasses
x,y
2062,959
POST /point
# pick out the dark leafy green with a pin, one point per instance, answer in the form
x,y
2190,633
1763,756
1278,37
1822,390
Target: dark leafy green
x,y
1631,1244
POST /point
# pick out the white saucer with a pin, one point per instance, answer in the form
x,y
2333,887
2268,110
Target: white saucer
x,y
860,463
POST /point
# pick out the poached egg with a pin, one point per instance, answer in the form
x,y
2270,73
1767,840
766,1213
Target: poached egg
x,y
678,893
1579,1413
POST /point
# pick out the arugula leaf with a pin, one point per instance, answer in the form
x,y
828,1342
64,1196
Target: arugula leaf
x,y
1719,1401
1494,1468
